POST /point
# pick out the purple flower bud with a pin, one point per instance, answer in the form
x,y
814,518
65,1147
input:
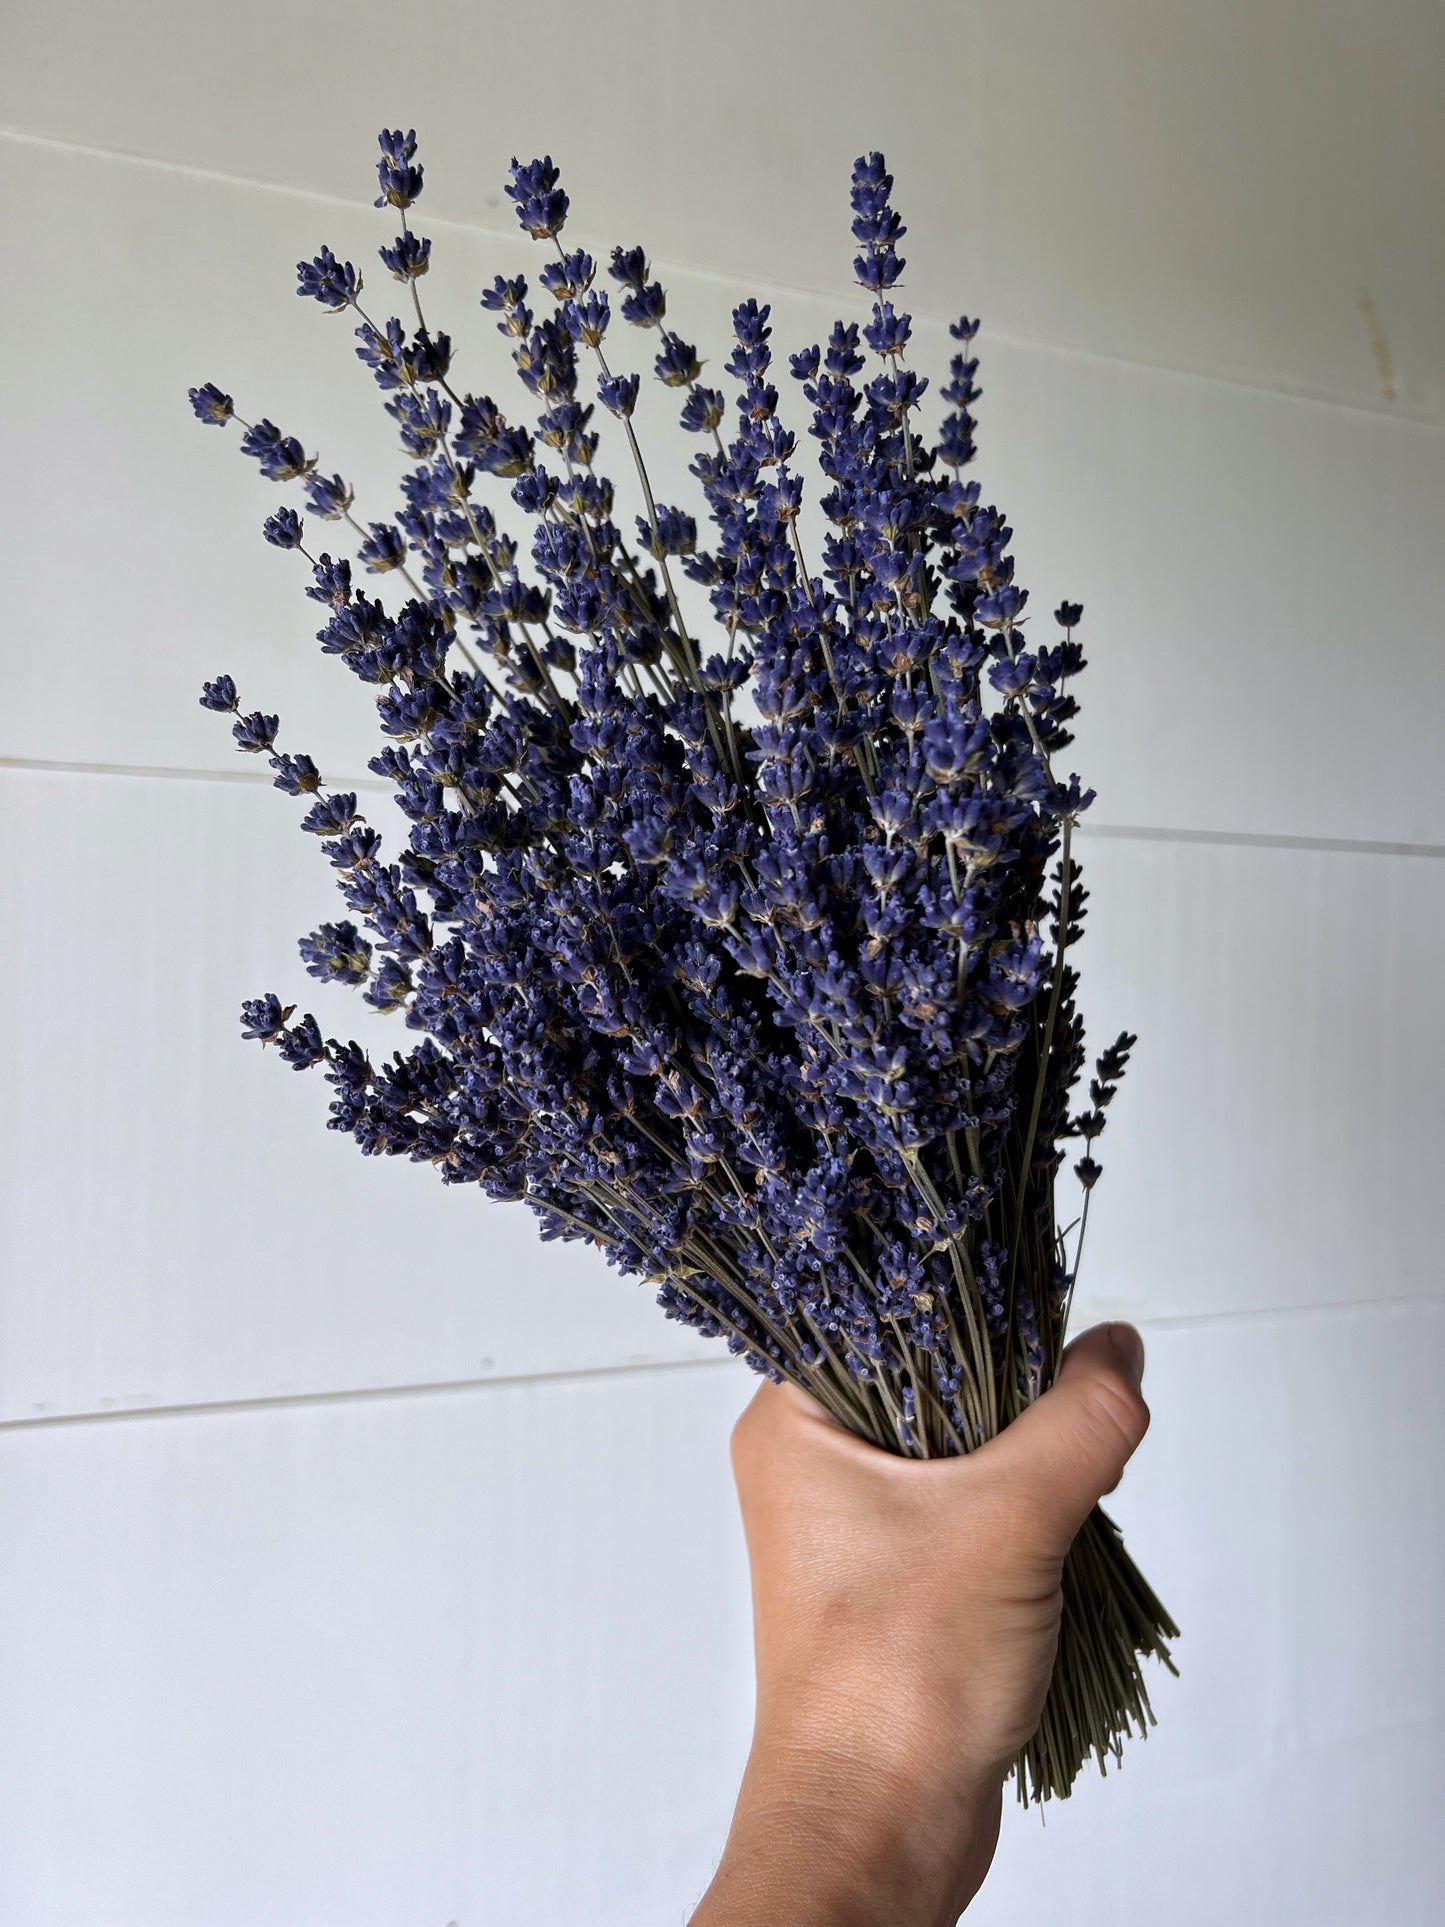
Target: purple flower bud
x,y
264,1018
211,405
541,205
296,775
331,582
328,497
255,732
703,411
281,457
408,257
301,1046
644,303
649,842
677,365
399,177
333,283
383,548
391,986
283,529
618,393
336,953
569,278
586,318
332,815
219,695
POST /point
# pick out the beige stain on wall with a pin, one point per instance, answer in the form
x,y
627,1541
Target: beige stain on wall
x,y
1380,343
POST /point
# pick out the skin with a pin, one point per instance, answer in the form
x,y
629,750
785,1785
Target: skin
x,y
905,1622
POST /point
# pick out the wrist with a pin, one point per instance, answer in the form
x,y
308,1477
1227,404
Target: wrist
x,y
826,1837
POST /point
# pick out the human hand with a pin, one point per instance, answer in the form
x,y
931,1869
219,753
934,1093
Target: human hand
x,y
905,1618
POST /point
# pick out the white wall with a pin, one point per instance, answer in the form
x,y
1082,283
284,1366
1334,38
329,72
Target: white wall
x,y
340,1590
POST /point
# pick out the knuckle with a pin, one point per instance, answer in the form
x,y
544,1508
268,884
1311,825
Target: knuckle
x,y
1115,1413
740,1441
746,1445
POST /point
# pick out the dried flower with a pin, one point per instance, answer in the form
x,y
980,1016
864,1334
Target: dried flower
x,y
743,959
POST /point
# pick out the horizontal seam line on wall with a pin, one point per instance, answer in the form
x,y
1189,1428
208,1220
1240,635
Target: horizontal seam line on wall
x,y
372,1394
1261,839
1123,832
58,766
756,284
363,1394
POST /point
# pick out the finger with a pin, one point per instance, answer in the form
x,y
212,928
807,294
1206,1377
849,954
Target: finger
x,y
1070,1447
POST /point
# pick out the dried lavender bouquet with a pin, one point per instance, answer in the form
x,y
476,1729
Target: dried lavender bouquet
x,y
737,948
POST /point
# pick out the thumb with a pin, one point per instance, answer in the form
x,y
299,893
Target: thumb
x,y
1070,1447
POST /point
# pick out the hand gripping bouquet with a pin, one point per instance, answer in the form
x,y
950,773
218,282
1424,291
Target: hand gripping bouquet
x,y
735,946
